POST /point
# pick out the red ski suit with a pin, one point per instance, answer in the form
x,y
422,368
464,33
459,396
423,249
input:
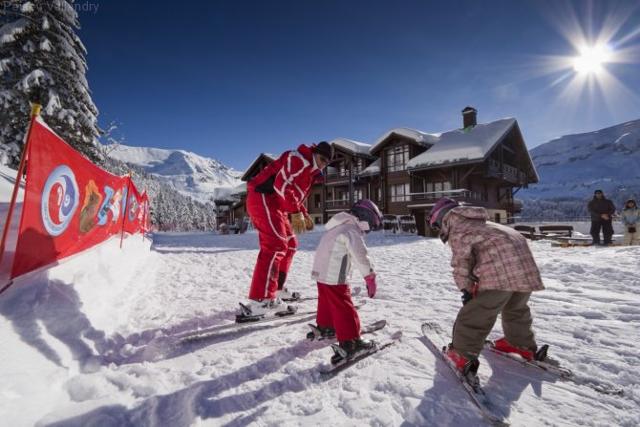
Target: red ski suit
x,y
278,190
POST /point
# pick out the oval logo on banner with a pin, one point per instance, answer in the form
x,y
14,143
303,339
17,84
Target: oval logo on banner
x,y
59,200
133,208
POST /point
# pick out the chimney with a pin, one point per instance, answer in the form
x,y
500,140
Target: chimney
x,y
469,117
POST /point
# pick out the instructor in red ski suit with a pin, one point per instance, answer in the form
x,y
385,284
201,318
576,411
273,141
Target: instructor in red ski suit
x,y
278,191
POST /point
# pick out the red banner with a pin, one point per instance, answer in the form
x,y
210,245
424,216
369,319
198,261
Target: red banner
x,y
70,203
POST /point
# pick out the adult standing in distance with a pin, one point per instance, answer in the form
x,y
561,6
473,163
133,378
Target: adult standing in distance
x,y
277,192
601,210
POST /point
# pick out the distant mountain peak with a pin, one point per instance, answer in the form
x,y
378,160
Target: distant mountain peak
x,y
572,166
200,177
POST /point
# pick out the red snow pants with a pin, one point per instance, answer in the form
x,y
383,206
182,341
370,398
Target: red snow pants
x,y
277,244
336,310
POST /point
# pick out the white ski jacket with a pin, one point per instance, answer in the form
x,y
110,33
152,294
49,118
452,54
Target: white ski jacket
x,y
341,244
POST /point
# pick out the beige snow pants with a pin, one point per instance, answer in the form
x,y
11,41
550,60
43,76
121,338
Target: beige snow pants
x,y
631,238
477,317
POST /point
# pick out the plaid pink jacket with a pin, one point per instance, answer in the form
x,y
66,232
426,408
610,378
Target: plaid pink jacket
x,y
497,255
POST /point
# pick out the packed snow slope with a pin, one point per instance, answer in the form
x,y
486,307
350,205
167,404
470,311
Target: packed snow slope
x,y
575,165
200,177
92,341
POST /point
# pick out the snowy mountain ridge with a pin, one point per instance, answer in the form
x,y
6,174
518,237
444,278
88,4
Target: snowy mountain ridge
x,y
199,177
575,165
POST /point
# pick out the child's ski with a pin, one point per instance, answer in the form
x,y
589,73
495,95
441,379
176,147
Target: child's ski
x,y
329,371
316,334
470,383
561,372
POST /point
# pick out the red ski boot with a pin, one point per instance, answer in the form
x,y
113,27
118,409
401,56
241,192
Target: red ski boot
x,y
464,365
506,347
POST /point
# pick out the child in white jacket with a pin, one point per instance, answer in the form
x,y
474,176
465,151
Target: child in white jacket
x,y
340,247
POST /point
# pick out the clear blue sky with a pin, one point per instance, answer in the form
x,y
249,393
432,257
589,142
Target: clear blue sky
x,y
230,79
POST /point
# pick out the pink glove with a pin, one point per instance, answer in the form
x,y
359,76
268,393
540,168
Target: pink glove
x,y
370,280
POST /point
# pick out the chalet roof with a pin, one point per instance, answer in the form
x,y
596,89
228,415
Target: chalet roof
x,y
353,147
239,190
463,145
253,164
416,136
372,169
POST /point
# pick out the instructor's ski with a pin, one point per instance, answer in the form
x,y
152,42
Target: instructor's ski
x,y
213,331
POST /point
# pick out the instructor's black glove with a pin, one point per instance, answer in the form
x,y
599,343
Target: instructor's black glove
x,y
466,296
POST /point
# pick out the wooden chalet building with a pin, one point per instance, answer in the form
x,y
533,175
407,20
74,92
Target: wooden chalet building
x,y
405,171
479,164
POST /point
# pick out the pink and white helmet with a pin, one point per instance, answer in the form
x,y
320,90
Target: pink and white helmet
x,y
366,210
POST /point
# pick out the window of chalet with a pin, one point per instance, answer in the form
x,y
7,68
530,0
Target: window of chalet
x,y
357,195
400,193
358,166
316,200
442,187
397,158
342,169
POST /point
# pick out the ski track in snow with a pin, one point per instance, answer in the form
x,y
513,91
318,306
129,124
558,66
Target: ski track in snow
x,y
267,376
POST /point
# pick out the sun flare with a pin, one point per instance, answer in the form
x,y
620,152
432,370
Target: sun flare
x,y
591,59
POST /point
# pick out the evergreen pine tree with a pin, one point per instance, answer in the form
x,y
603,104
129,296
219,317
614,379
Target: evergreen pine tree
x,y
43,60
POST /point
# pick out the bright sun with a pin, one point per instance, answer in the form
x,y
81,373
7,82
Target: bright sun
x,y
591,59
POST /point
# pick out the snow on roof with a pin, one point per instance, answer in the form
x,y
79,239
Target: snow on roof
x,y
463,145
372,169
352,146
240,189
417,136
255,161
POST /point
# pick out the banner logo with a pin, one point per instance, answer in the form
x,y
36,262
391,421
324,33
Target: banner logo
x,y
59,200
133,207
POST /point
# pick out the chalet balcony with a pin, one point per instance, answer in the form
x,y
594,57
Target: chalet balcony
x,y
337,204
460,195
337,178
508,173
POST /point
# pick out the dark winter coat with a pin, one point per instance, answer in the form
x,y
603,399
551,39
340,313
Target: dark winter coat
x,y
598,207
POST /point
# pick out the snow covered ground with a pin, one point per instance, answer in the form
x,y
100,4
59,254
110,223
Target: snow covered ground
x,y
89,341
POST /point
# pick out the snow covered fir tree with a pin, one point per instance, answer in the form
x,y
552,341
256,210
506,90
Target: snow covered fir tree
x,y
43,60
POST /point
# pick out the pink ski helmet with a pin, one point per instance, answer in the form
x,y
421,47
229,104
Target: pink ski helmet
x,y
366,210
439,210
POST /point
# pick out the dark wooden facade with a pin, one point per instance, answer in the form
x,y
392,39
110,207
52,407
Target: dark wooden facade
x,y
343,185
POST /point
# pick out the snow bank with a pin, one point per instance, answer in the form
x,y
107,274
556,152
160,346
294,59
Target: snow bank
x,y
57,325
